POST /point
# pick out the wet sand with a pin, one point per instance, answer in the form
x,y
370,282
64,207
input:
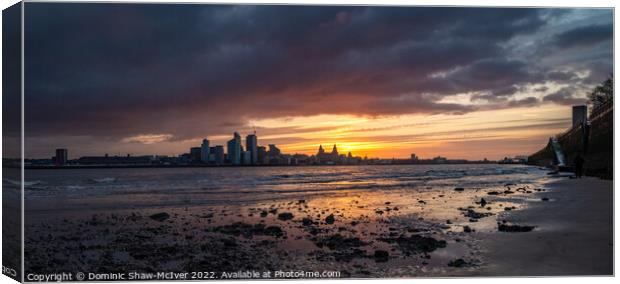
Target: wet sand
x,y
436,233
573,235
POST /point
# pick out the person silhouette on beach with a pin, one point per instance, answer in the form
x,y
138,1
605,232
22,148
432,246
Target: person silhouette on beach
x,y
579,161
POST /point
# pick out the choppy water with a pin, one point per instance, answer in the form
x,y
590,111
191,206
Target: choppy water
x,y
175,186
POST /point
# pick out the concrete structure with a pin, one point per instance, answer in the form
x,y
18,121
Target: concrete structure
x,y
580,114
234,150
61,158
592,141
251,145
204,151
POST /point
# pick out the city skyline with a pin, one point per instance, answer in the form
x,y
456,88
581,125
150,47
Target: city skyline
x,y
378,81
234,154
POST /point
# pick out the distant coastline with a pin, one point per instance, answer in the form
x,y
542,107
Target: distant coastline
x,y
69,167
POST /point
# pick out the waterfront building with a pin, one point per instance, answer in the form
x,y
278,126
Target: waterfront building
x,y
116,160
262,158
234,150
204,151
251,145
194,154
440,160
61,158
335,151
218,155
246,158
329,158
274,151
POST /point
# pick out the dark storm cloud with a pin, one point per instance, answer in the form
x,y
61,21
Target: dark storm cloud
x,y
119,70
585,35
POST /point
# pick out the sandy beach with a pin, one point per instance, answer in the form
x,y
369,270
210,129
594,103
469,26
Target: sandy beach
x,y
573,235
521,222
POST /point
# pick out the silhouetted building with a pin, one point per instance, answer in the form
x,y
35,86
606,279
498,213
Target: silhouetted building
x,y
580,114
251,145
440,160
195,153
246,158
61,158
262,155
234,150
218,155
274,151
204,151
275,156
335,151
329,158
115,160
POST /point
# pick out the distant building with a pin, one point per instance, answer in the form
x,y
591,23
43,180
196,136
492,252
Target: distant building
x,y
61,158
251,145
218,155
195,154
234,150
415,158
275,156
580,114
515,160
274,151
440,160
328,158
262,155
335,151
204,151
246,158
116,160
522,158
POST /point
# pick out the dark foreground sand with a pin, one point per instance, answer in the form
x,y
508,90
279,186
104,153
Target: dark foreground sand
x,y
573,235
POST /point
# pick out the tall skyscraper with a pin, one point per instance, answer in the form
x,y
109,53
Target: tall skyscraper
x,y
251,145
62,156
234,150
204,151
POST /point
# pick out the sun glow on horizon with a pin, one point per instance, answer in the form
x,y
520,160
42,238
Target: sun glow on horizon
x,y
424,135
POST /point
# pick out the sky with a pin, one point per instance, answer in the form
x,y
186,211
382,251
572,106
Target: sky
x,y
384,82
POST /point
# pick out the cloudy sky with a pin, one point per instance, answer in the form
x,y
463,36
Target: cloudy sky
x,y
378,81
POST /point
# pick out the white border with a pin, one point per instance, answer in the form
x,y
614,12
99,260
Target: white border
x,y
475,3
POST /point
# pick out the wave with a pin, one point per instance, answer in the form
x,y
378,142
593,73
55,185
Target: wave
x,y
104,180
19,183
